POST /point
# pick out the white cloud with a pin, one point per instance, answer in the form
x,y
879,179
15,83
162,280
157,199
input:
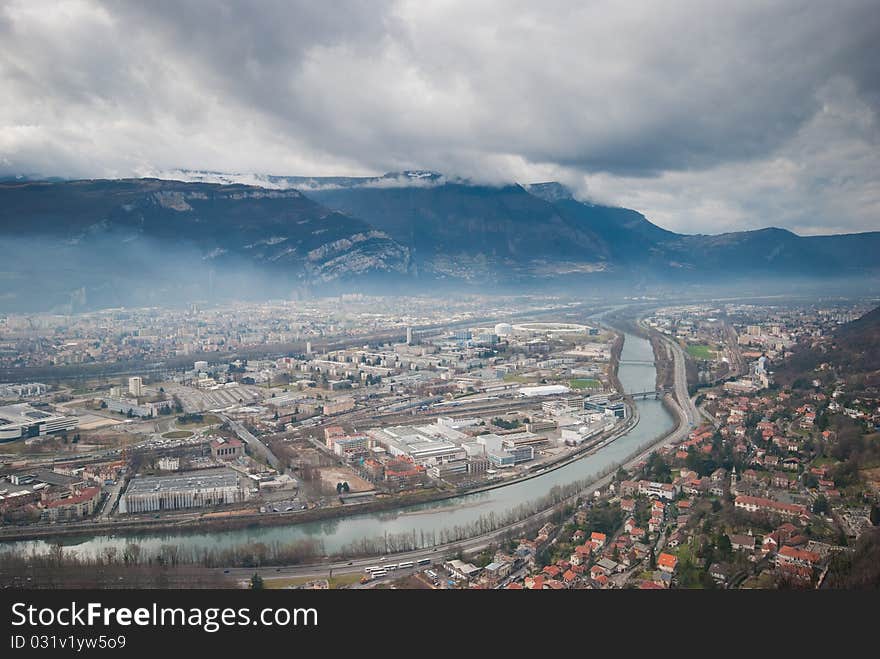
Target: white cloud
x,y
705,118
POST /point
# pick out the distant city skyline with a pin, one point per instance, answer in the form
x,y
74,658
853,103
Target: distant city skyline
x,y
706,119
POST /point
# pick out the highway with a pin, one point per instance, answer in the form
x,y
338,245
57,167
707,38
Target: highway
x,y
686,406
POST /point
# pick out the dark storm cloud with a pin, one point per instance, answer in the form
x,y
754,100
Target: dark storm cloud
x,y
706,116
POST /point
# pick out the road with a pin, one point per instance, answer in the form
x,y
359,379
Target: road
x,y
686,406
255,444
112,497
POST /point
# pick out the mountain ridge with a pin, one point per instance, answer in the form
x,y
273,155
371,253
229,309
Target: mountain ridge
x,y
98,238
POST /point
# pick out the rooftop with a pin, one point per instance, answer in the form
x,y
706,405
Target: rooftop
x,y
194,480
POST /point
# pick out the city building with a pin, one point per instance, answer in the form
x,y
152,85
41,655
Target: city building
x,y
227,449
22,421
78,505
27,390
130,407
338,405
187,490
135,386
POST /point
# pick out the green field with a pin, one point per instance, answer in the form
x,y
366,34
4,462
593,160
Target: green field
x,y
335,582
177,434
512,377
207,420
701,351
585,383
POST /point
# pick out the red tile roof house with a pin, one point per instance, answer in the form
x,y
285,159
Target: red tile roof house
x,y
551,571
629,525
568,576
598,539
793,556
596,571
667,562
77,506
535,583
796,572
602,581
769,544
785,531
755,504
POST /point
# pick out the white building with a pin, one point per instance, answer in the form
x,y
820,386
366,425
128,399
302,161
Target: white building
x,y
544,390
22,420
188,490
135,385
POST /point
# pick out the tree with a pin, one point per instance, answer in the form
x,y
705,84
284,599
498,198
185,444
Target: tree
x,y
820,505
256,582
875,515
345,487
131,554
725,548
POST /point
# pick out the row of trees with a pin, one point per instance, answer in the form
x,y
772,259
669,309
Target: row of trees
x,y
253,554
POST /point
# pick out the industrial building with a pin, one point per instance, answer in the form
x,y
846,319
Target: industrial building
x,y
26,390
128,405
428,444
22,421
544,390
199,489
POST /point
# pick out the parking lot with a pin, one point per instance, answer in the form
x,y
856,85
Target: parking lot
x,y
201,400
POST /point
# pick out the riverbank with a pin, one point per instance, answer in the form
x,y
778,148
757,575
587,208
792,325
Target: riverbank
x,y
256,520
363,524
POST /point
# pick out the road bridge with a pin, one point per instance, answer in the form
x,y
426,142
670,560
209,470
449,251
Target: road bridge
x,y
647,394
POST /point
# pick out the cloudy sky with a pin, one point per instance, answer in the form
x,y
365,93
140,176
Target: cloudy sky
x,y
706,116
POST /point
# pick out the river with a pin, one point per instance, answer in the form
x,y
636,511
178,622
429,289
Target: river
x,y
428,518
